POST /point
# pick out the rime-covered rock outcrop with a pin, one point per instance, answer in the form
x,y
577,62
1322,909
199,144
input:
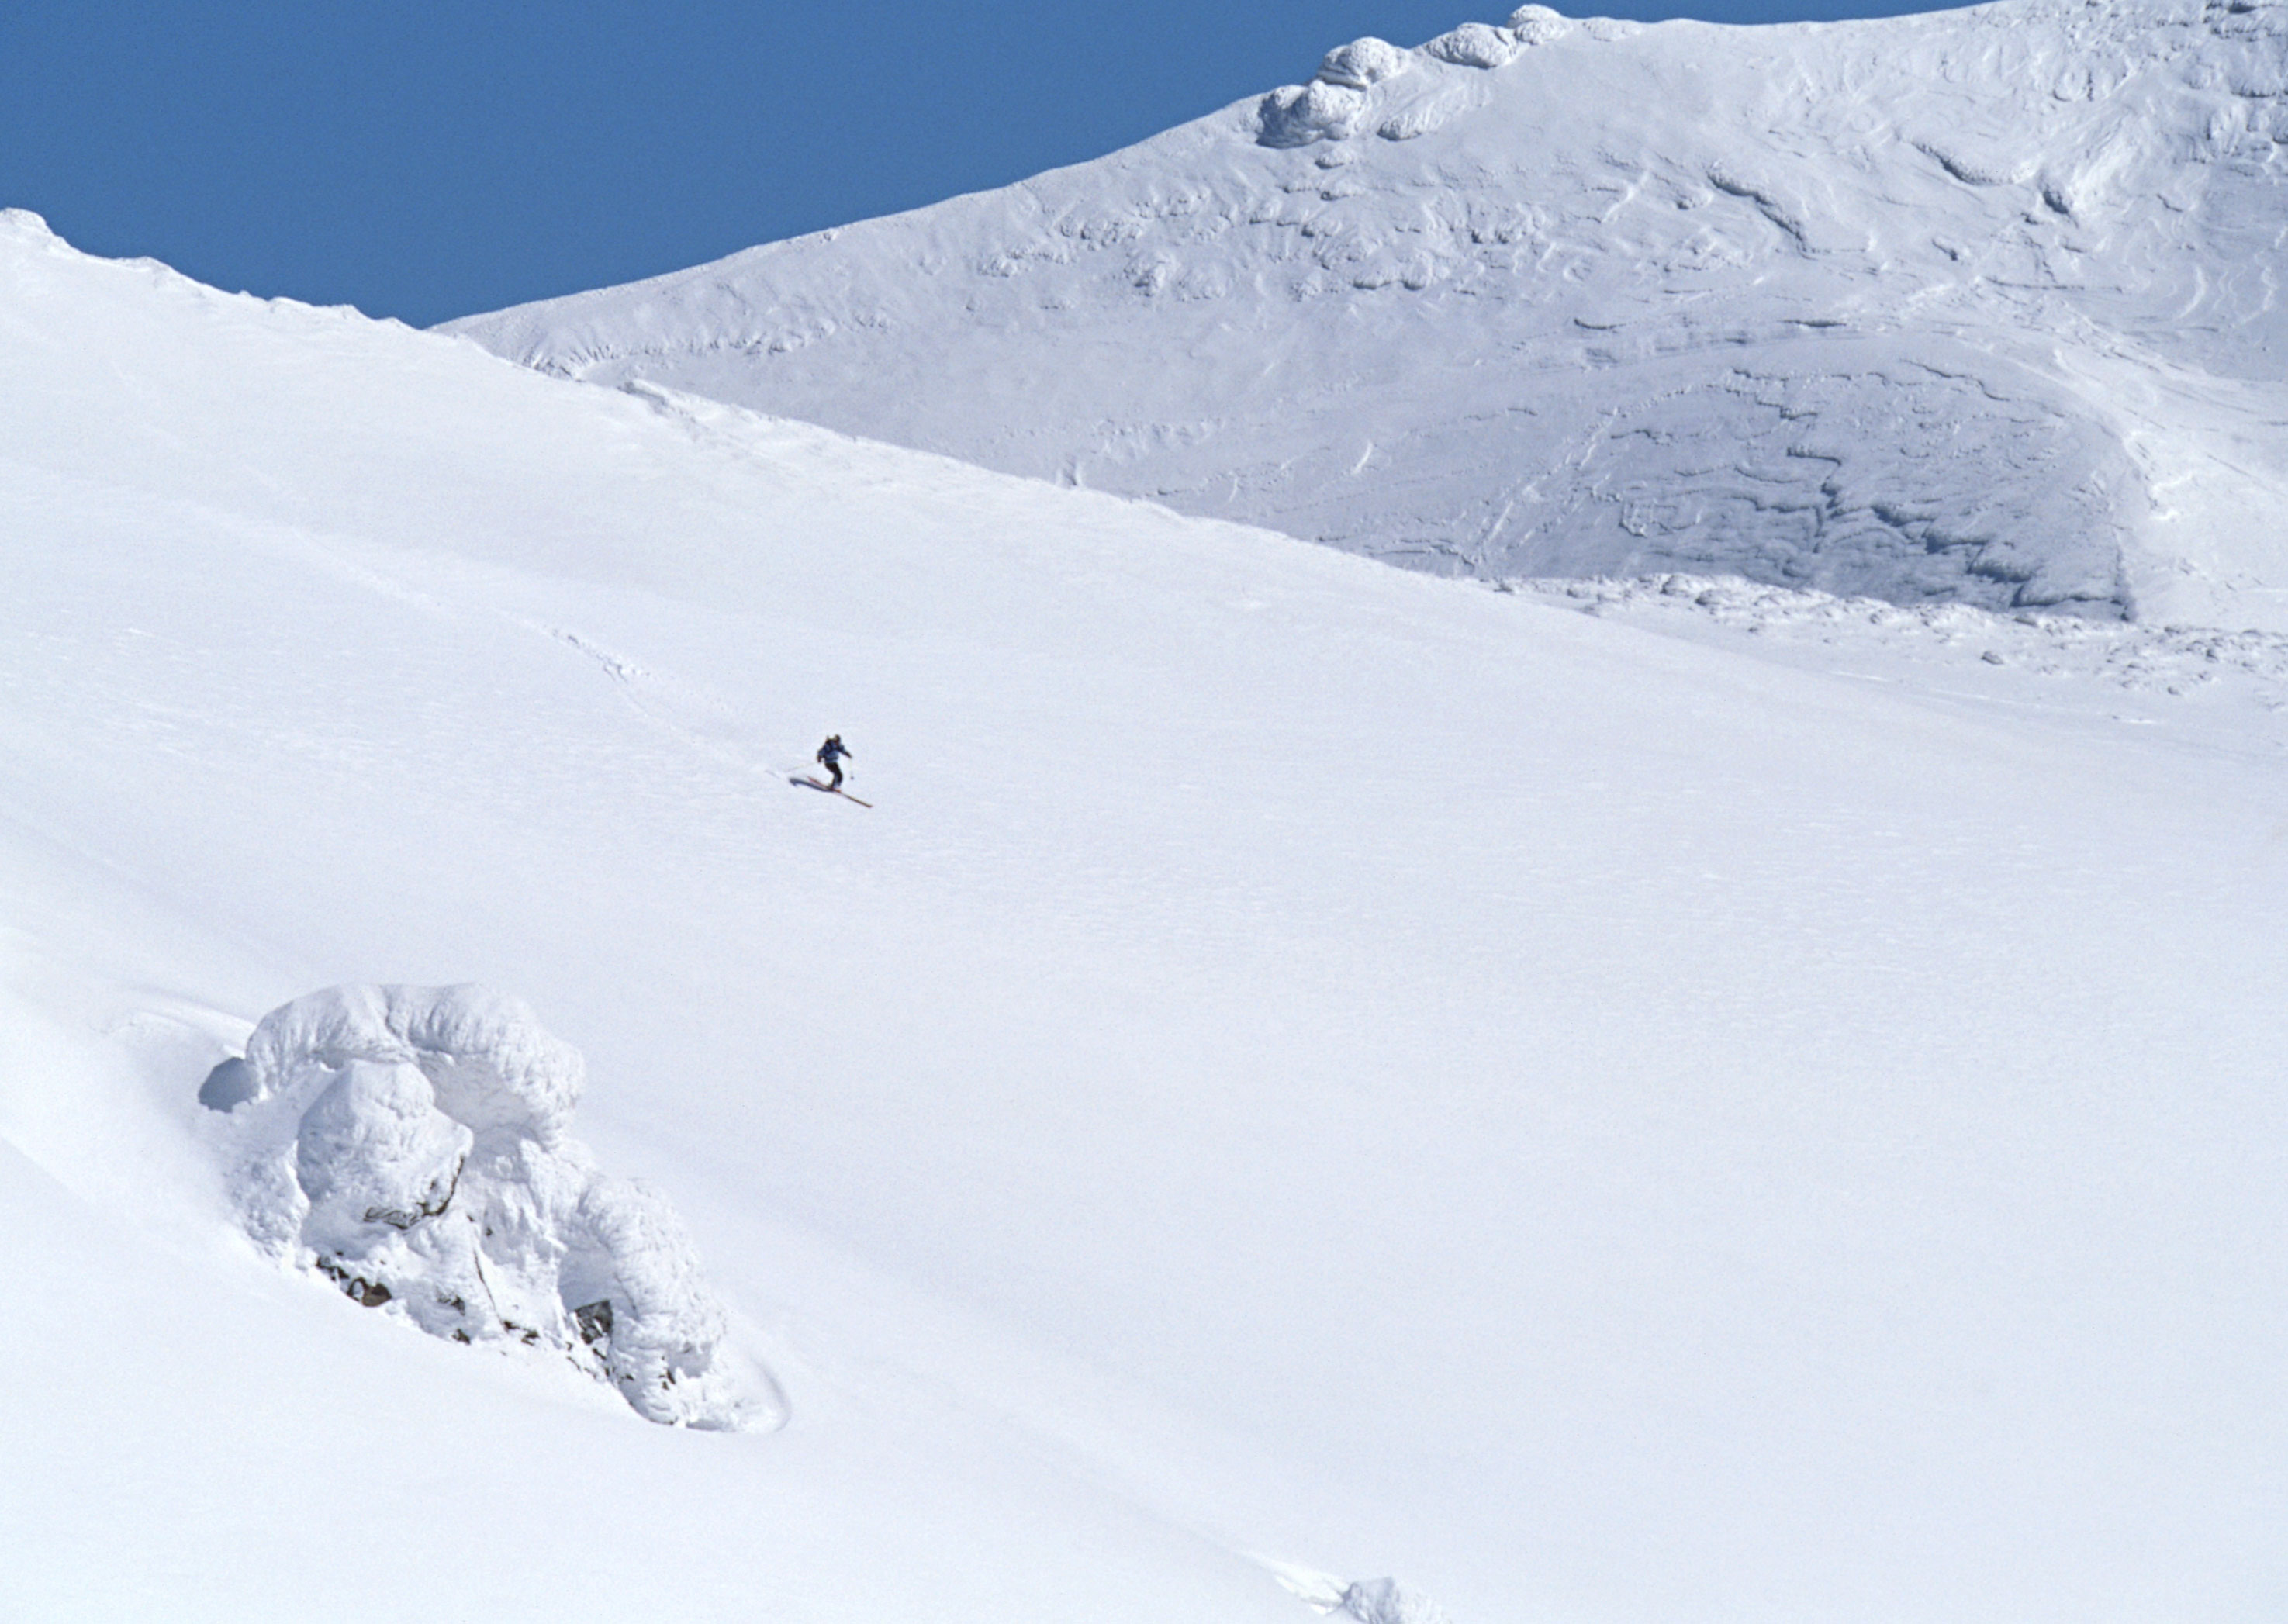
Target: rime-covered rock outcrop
x,y
409,1145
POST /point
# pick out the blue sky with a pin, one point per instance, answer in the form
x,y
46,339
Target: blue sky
x,y
427,160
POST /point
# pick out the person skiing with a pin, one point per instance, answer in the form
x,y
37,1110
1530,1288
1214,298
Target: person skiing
x,y
830,757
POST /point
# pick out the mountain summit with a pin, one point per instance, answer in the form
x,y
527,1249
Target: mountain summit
x,y
1976,306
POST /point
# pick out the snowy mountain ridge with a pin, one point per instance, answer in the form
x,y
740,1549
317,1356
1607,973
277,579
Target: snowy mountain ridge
x,y
1977,306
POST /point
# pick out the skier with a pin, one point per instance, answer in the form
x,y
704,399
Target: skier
x,y
830,757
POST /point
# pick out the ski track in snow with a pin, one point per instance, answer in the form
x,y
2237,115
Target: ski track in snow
x,y
700,721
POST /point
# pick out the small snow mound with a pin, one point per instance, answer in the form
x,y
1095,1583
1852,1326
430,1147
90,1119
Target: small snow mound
x,y
1298,115
1475,44
1538,25
1364,62
407,1144
1365,1601
1380,1601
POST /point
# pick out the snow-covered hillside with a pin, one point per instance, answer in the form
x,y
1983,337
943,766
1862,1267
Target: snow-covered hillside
x,y
1306,1073
1978,305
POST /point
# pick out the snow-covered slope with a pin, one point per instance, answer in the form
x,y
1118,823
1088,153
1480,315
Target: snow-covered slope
x,y
1306,1070
1979,305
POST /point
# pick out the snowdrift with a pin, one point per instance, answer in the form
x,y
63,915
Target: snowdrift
x,y
1974,307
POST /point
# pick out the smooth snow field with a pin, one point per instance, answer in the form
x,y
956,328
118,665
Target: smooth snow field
x,y
1655,1104
1978,307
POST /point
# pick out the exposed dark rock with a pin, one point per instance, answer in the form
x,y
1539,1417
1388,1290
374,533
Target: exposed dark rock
x,y
429,1208
365,1293
595,1321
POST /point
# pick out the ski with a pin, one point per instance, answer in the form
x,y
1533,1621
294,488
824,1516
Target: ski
x,y
812,783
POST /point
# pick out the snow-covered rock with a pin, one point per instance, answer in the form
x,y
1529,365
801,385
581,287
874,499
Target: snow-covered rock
x,y
1971,306
1363,63
1475,44
408,1144
1538,25
1297,114
492,1066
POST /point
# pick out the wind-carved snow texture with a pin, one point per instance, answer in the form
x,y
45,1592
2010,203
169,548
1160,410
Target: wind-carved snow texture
x,y
409,1144
1976,306
2172,661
